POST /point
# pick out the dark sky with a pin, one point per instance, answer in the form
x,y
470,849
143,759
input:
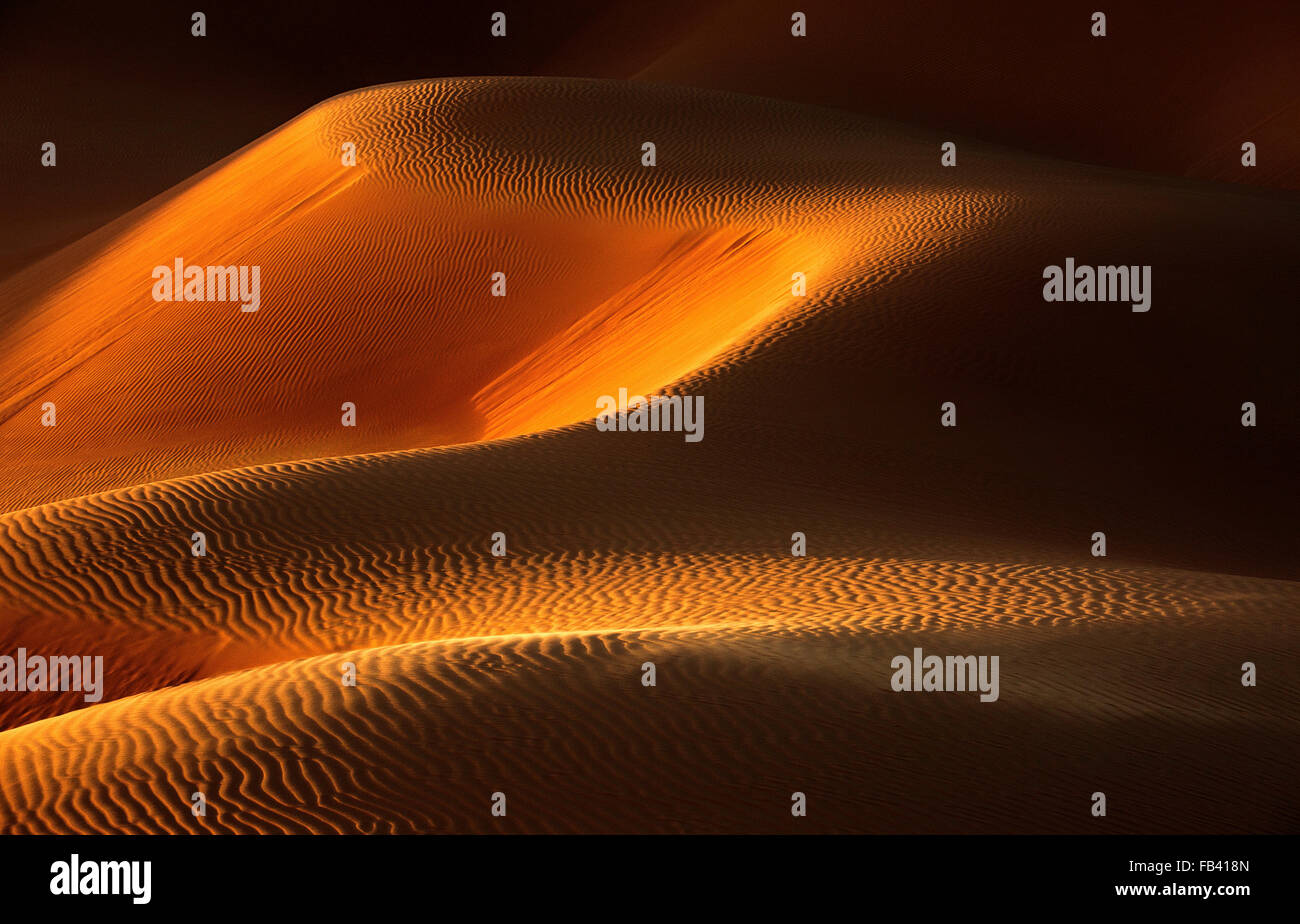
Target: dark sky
x,y
136,104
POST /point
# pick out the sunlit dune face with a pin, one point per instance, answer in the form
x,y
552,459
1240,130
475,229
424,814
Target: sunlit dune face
x,y
377,290
377,281
705,294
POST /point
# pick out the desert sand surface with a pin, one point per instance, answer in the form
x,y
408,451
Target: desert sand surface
x,y
521,674
741,719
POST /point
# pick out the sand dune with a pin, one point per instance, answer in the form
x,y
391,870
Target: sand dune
x,y
377,279
738,722
520,674
378,550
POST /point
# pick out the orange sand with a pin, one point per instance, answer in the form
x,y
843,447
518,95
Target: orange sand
x,y
521,674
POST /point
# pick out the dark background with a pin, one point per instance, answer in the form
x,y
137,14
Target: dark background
x,y
136,104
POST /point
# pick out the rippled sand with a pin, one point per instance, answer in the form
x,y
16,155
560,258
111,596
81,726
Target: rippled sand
x,y
521,674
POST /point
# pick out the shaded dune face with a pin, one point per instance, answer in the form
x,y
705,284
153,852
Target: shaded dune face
x,y
522,674
332,555
1026,74
563,728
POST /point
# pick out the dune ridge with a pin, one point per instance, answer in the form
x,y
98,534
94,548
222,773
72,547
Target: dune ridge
x,y
444,174
287,749
356,557
522,672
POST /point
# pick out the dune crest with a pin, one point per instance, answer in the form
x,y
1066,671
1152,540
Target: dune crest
x,y
377,279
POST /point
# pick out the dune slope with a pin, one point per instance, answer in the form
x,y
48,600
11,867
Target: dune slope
x,y
521,674
377,280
